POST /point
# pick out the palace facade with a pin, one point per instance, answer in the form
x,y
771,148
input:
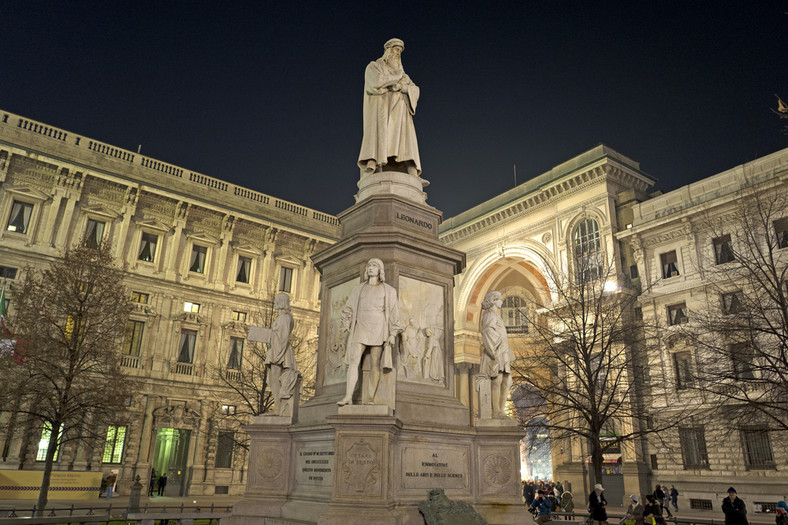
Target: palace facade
x,y
201,255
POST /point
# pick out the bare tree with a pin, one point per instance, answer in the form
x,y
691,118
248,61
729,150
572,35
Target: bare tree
x,y
586,354
741,332
71,318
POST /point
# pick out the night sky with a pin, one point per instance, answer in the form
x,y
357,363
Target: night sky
x,y
268,94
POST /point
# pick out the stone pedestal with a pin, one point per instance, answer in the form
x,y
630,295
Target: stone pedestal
x,y
362,464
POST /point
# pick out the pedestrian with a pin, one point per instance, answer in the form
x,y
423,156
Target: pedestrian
x,y
782,513
659,495
541,506
162,484
597,505
674,497
111,479
567,504
734,509
653,509
152,482
635,512
529,492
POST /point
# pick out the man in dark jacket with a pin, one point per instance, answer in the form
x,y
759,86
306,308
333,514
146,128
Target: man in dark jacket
x,y
734,509
597,505
659,494
528,492
542,508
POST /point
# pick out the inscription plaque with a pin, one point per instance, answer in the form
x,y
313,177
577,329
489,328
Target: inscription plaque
x,y
428,467
315,466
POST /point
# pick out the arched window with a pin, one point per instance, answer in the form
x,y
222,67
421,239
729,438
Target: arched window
x,y
587,252
514,315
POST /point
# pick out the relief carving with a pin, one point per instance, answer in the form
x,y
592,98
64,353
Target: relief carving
x,y
361,468
497,470
269,464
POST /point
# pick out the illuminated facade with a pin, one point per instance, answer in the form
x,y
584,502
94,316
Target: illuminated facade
x,y
200,255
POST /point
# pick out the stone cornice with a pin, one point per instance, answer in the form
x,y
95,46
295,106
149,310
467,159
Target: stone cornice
x,y
561,188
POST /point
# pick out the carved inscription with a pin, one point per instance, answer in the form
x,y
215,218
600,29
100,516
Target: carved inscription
x,y
426,467
315,466
414,221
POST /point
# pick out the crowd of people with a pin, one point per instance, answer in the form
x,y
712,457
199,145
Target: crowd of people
x,y
545,497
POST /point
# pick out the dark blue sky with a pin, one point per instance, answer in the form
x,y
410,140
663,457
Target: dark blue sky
x,y
268,94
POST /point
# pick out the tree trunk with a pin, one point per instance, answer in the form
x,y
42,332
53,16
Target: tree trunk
x,y
596,463
43,494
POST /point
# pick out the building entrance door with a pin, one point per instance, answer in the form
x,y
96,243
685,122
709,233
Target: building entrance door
x,y
170,456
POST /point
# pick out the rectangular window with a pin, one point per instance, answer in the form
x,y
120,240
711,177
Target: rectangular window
x,y
654,462
113,446
228,410
94,233
757,447
43,444
732,303
236,352
19,220
682,364
693,447
148,244
139,297
633,271
670,265
742,356
677,314
239,316
190,307
186,346
6,272
244,267
723,249
285,279
224,450
197,262
132,340
781,229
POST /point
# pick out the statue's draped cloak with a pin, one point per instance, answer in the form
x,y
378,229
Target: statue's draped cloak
x,y
280,352
494,339
388,117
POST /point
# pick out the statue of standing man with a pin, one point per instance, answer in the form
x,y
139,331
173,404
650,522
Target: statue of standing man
x,y
390,99
496,354
371,315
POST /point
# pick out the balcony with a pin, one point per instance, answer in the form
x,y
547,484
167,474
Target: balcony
x,y
186,369
130,361
232,376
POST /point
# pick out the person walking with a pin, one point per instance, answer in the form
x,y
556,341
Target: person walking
x,y
659,495
674,497
635,512
567,504
111,479
162,484
734,509
152,482
597,505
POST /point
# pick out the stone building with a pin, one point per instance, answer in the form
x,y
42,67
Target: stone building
x,y
201,256
515,242
699,251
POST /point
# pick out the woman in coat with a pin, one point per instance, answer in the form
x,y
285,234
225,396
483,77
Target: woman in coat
x,y
635,511
567,504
